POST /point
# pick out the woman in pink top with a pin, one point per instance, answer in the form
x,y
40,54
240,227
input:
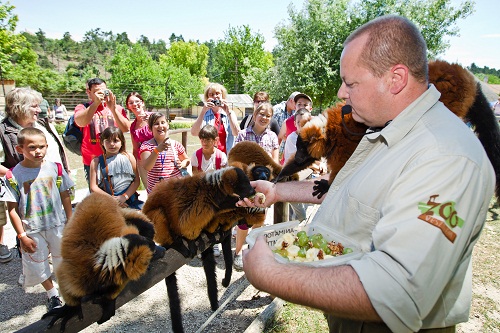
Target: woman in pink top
x,y
139,129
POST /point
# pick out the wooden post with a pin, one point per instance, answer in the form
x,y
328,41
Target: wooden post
x,y
184,132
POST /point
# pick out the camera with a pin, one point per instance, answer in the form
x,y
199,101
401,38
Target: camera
x,y
106,92
216,102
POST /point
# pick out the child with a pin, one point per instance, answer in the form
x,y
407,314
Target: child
x,y
35,210
208,158
288,127
258,132
115,171
300,117
161,156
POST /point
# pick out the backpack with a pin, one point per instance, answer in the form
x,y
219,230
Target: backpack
x,y
73,137
218,158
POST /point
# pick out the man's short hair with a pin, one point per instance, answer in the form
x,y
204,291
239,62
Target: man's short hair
x,y
93,82
392,40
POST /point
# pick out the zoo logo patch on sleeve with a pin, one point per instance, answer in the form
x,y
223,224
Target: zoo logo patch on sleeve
x,y
442,215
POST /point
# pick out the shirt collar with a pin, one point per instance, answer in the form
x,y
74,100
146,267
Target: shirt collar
x,y
406,120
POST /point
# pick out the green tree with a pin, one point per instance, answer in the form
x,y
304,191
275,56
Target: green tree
x,y
41,79
190,55
11,44
132,68
239,52
181,88
67,47
123,39
42,40
309,47
97,46
173,38
157,49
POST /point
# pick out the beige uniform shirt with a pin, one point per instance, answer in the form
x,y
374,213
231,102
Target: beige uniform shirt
x,y
415,196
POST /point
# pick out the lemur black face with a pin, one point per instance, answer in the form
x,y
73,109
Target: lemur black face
x,y
261,173
301,161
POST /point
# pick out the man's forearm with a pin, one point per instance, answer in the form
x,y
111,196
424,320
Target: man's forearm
x,y
334,290
122,122
83,117
297,191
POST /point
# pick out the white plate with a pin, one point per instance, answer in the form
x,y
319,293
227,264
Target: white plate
x,y
275,231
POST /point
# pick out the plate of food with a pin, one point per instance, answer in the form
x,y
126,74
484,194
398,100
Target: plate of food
x,y
314,245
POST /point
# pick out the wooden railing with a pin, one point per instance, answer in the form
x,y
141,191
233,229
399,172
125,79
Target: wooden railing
x,y
157,271
184,133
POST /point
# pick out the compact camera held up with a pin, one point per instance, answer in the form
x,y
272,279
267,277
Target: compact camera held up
x,y
106,92
216,102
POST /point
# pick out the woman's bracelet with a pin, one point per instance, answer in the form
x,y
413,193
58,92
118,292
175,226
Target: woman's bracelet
x,y
125,195
21,235
156,151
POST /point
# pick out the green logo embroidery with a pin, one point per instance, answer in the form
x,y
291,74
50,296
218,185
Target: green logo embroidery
x,y
442,215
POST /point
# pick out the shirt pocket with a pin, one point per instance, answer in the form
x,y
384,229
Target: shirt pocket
x,y
359,222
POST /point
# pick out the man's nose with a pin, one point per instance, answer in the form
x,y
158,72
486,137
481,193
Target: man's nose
x,y
342,93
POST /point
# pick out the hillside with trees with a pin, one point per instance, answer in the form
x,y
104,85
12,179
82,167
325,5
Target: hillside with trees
x,y
174,71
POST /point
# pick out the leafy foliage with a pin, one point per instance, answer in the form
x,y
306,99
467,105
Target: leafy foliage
x,y
233,58
484,70
11,44
306,57
190,55
159,82
308,54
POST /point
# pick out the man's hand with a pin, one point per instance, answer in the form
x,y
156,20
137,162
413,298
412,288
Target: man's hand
x,y
262,186
257,261
111,100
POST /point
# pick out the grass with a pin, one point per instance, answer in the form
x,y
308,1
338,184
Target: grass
x,y
297,318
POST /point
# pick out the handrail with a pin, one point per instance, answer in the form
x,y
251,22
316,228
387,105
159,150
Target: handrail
x,y
157,271
183,132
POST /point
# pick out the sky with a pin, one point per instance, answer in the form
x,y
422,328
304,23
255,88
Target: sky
x,y
479,40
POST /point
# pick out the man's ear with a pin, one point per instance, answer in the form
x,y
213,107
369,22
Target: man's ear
x,y
19,149
399,78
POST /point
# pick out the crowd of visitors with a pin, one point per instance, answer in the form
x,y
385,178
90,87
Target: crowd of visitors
x,y
395,286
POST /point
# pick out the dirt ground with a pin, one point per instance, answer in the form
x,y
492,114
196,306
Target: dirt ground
x,y
485,311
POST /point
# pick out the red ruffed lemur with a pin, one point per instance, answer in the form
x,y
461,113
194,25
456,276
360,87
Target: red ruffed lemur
x,y
103,248
335,135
